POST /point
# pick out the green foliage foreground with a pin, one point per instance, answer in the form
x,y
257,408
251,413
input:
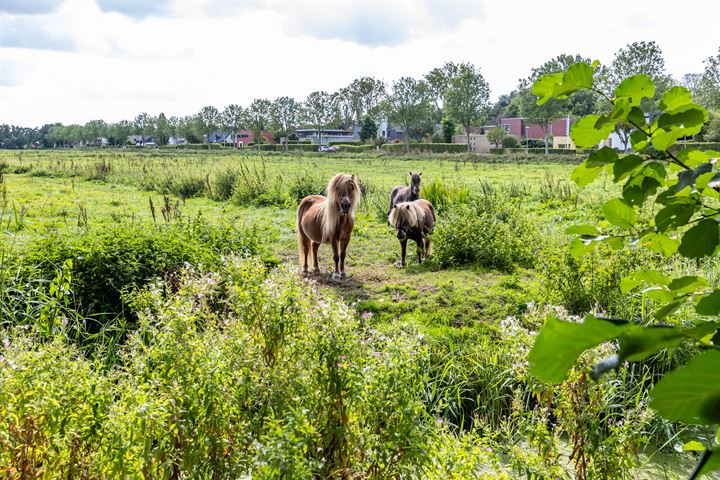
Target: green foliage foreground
x,y
683,221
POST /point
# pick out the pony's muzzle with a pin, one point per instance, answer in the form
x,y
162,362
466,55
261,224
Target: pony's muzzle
x,y
401,235
344,206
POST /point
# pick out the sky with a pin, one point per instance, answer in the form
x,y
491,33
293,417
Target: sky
x,y
72,61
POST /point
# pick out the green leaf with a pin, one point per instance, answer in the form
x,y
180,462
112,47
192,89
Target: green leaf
x,y
636,116
578,76
544,86
641,185
686,117
637,345
619,213
700,240
687,178
560,343
583,229
709,304
583,176
688,284
639,140
669,309
674,215
585,133
636,88
649,277
688,393
675,97
625,166
602,157
580,248
693,446
660,243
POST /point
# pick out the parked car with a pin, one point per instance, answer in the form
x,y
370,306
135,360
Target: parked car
x,y
331,148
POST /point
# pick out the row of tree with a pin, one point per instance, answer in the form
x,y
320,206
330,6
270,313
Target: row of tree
x,y
455,95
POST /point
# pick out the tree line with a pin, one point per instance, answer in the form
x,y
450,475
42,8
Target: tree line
x,y
455,95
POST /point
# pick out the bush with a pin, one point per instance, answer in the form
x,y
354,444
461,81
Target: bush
x,y
112,261
487,232
509,142
357,143
536,151
591,283
426,147
306,184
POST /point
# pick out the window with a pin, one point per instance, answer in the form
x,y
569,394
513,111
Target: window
x,y
506,127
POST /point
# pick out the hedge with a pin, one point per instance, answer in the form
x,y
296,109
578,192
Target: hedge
x,y
426,147
700,145
538,151
356,143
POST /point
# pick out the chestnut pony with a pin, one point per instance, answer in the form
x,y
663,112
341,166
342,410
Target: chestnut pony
x,y
328,220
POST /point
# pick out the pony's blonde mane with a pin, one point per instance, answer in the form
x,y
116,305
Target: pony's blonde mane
x,y
341,185
406,213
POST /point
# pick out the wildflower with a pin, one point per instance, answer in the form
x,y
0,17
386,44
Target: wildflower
x,y
488,449
2,359
340,365
6,343
438,420
342,357
367,315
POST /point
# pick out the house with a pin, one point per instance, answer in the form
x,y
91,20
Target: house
x,y
177,141
390,132
327,135
141,140
246,137
479,142
219,137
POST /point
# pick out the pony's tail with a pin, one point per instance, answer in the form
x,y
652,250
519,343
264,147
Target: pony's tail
x,y
303,242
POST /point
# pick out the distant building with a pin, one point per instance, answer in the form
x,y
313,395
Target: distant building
x,y
327,135
478,142
390,132
246,137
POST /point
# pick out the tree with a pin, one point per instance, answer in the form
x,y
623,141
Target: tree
x,y
142,123
707,89
437,81
285,112
408,106
368,129
448,130
542,115
467,98
319,109
258,118
504,107
174,126
208,118
232,118
162,129
496,136
679,183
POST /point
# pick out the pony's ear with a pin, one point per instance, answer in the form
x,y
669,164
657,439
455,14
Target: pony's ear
x,y
410,172
352,176
420,174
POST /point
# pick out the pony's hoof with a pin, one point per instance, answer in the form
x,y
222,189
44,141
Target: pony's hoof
x,y
335,276
305,272
399,265
316,271
343,275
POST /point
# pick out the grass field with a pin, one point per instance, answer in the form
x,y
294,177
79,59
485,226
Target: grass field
x,y
459,325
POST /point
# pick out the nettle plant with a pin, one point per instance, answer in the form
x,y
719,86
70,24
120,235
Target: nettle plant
x,y
680,186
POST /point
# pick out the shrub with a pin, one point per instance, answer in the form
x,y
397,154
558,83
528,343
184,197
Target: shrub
x,y
222,182
306,184
591,282
112,261
426,147
509,142
487,232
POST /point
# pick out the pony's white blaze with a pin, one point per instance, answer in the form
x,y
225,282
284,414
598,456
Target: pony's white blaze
x,y
342,185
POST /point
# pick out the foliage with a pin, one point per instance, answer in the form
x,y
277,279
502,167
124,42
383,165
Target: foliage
x,y
448,130
495,136
368,129
685,224
467,97
485,232
319,109
408,106
509,142
424,147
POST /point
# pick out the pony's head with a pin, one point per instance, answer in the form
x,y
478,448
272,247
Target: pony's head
x,y
405,216
343,193
415,183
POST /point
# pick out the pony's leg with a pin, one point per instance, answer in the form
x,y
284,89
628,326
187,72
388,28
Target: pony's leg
x,y
336,258
304,244
315,248
403,251
420,250
343,251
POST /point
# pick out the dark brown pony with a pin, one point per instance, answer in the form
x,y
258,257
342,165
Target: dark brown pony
x,y
406,194
328,220
414,221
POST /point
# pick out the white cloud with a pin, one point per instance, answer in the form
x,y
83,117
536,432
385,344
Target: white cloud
x,y
221,52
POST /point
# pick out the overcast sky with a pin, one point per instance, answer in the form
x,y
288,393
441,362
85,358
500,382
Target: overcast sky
x,y
71,61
